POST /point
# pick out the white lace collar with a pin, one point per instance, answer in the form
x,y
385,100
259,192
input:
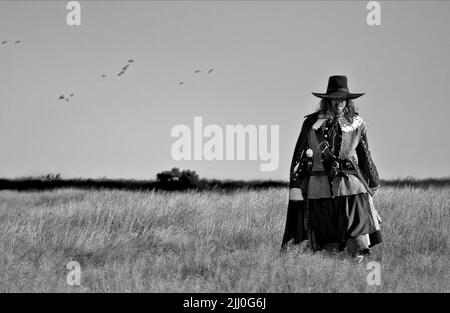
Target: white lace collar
x,y
343,122
348,127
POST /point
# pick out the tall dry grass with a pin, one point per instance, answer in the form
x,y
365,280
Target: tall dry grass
x,y
209,242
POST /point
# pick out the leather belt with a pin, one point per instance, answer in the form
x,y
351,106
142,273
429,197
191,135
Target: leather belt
x,y
345,173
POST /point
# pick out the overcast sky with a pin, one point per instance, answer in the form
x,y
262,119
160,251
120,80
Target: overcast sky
x,y
267,57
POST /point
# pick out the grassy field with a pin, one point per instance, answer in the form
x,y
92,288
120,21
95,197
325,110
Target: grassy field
x,y
209,242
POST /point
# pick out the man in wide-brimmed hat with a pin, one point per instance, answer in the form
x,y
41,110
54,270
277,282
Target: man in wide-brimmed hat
x,y
333,177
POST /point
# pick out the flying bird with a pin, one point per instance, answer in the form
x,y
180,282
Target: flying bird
x,y
197,71
180,83
103,75
17,41
125,67
61,97
130,61
71,94
4,41
210,71
121,73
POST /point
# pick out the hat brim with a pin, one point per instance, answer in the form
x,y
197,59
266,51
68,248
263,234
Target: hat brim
x,y
338,95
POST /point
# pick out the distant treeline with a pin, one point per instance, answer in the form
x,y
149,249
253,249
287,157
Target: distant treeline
x,y
180,180
202,184
416,182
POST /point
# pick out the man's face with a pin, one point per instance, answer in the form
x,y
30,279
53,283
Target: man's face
x,y
338,105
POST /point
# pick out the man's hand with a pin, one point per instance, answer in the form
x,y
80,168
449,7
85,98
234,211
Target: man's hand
x,y
295,194
375,189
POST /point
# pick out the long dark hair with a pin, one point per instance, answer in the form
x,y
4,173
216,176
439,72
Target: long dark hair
x,y
350,110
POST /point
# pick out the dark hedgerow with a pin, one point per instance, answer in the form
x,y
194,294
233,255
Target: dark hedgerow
x,y
175,179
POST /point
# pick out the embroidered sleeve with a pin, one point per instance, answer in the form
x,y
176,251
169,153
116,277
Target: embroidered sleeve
x,y
365,162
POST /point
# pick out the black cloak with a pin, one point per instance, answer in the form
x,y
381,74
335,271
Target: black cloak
x,y
296,228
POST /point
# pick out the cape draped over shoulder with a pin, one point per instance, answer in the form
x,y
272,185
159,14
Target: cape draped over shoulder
x,y
295,228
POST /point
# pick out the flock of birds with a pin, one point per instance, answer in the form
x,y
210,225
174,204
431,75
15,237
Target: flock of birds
x,y
197,72
63,97
121,73
5,42
123,69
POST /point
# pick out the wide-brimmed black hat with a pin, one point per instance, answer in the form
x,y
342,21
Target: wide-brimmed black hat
x,y
337,89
